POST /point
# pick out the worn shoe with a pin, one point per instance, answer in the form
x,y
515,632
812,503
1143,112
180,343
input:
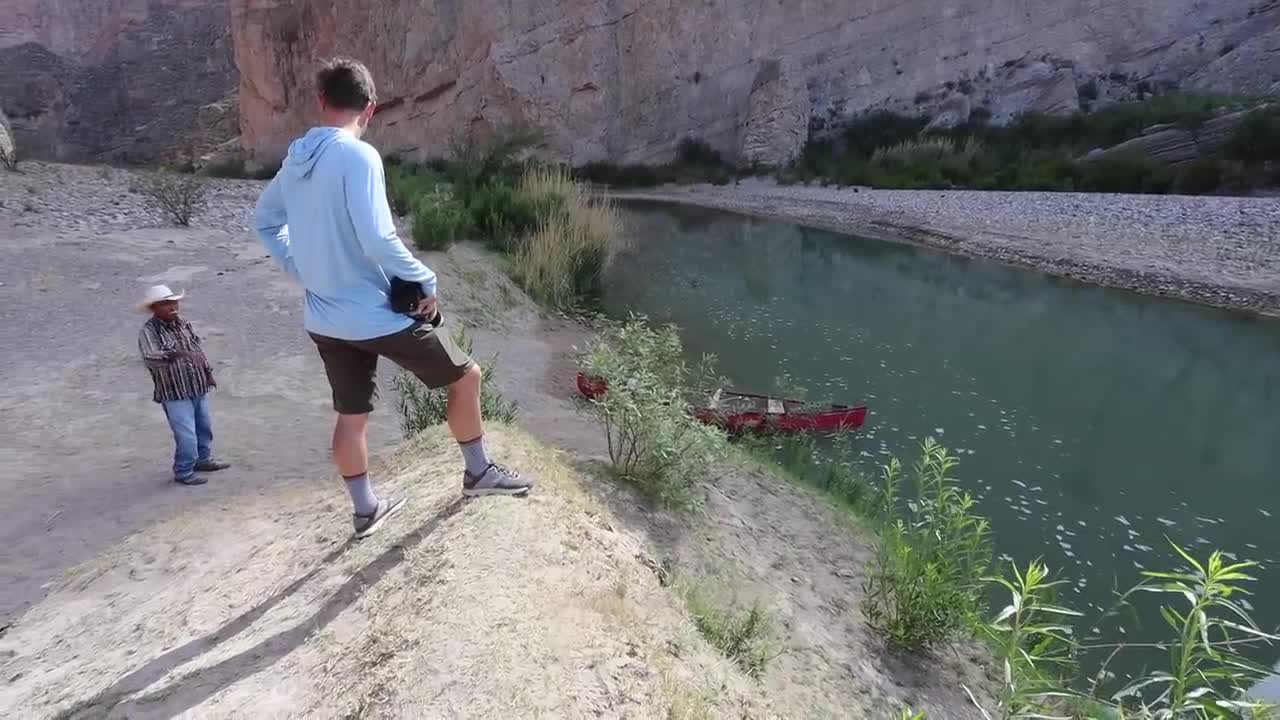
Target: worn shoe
x,y
367,525
190,480
211,465
495,480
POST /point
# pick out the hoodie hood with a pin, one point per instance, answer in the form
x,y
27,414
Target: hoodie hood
x,y
306,150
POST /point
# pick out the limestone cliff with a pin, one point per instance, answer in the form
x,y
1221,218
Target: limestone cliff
x,y
625,80
118,80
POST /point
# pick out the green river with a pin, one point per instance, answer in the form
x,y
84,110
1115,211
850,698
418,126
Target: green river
x,y
1092,424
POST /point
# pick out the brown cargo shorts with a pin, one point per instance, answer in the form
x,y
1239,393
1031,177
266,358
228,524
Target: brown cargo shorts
x,y
424,349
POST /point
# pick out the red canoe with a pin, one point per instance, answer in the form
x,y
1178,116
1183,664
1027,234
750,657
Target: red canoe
x,y
738,412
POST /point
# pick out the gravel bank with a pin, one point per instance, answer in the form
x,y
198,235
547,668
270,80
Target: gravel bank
x,y
1221,251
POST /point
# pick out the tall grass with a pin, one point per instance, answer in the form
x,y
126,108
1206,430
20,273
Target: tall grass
x,y
564,260
747,638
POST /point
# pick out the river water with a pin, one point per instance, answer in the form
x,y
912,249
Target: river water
x,y
1092,424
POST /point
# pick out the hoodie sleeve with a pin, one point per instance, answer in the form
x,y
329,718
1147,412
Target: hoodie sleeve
x,y
272,225
366,193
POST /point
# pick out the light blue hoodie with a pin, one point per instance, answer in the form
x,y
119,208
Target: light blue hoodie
x,y
326,222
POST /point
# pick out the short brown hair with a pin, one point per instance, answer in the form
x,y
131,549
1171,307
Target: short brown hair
x,y
346,84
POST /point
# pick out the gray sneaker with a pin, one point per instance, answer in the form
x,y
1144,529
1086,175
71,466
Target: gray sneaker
x,y
367,525
495,480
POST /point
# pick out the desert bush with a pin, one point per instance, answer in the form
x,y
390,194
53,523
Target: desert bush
x,y
496,160
439,220
422,407
925,587
653,440
177,196
747,638
563,262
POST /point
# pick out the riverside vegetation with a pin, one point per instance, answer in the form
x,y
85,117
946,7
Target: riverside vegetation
x,y
1033,152
557,234
928,584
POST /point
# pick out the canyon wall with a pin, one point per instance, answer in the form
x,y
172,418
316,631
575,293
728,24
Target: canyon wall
x,y
625,80
117,80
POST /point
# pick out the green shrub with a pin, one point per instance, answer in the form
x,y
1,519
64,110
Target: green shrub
x,y
504,216
1257,139
407,183
1202,176
1126,172
925,587
653,440
422,407
746,638
692,151
439,221
230,168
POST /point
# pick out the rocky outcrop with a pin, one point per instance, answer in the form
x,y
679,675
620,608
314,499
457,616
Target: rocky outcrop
x,y
777,123
8,150
117,80
1175,144
626,80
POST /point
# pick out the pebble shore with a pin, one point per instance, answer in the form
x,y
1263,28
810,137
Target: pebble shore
x,y
1220,251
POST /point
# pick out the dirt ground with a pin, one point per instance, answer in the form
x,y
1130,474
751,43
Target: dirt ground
x,y
133,597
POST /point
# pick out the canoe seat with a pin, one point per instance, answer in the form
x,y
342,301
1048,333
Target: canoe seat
x,y
776,407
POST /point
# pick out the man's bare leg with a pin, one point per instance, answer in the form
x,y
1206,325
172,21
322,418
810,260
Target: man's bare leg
x,y
351,455
481,476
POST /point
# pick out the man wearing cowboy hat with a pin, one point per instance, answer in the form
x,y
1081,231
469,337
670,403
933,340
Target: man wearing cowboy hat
x,y
171,351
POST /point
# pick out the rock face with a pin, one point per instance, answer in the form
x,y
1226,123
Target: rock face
x,y
117,80
626,80
777,122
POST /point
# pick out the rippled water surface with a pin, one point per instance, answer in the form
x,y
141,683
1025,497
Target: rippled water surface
x,y
1092,423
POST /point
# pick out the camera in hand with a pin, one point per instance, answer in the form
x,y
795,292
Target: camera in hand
x,y
406,296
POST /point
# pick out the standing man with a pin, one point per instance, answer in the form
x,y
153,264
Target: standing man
x,y
326,222
171,350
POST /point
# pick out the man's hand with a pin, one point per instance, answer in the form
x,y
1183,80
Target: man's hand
x,y
426,308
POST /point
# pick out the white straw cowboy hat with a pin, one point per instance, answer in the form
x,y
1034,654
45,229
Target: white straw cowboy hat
x,y
158,293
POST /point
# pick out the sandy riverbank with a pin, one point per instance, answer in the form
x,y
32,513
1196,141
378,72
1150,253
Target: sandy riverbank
x,y
1220,251
132,597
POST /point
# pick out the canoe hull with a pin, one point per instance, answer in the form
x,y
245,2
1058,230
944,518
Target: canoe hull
x,y
835,418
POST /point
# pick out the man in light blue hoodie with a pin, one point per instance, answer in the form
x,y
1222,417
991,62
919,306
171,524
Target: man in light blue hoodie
x,y
326,222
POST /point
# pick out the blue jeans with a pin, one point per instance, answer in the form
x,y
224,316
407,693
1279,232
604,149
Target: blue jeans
x,y
192,433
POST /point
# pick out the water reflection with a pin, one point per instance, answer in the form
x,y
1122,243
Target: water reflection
x,y
1091,423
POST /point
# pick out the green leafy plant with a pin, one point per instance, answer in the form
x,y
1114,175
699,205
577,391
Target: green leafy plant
x,y
925,586
1034,643
653,440
1207,677
422,407
439,221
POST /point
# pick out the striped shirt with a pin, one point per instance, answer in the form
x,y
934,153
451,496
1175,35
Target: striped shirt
x,y
176,378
